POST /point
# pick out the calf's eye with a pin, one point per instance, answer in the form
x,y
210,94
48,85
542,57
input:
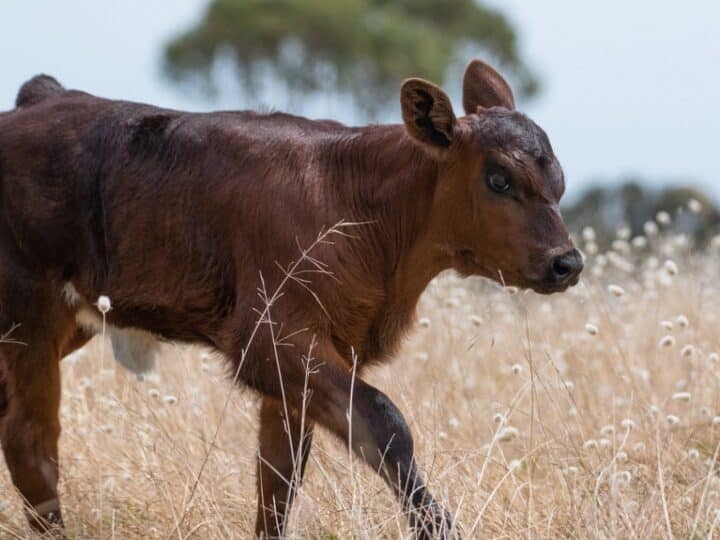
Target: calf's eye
x,y
498,182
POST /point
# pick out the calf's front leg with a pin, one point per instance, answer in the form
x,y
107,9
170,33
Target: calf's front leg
x,y
381,436
376,430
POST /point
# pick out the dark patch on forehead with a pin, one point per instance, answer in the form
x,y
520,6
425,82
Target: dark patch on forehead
x,y
512,132
501,129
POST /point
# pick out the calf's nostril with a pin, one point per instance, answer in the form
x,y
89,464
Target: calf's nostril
x,y
561,267
567,266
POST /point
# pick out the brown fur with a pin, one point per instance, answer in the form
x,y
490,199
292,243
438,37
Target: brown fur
x,y
177,217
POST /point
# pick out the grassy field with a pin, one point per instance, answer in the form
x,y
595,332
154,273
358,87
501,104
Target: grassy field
x,y
585,415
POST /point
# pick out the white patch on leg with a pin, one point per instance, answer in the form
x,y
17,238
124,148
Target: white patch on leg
x,y
47,507
72,297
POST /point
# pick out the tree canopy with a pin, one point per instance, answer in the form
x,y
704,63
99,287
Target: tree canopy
x,y
363,48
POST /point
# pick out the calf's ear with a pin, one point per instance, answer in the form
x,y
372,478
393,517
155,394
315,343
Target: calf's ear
x,y
483,87
427,113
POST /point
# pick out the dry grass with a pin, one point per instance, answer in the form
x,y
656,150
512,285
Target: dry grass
x,y
526,424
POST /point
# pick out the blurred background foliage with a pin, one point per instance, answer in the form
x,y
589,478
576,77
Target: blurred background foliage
x,y
633,204
362,48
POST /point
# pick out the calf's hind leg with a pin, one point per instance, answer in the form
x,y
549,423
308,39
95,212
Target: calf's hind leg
x,y
283,451
30,400
29,433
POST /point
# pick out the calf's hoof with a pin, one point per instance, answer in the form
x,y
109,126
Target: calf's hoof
x,y
433,522
47,520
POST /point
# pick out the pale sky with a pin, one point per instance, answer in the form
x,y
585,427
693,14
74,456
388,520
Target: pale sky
x,y
629,87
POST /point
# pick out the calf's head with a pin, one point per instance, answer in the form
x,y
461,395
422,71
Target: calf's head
x,y
496,204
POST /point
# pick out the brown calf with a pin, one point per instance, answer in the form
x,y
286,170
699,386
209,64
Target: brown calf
x,y
177,217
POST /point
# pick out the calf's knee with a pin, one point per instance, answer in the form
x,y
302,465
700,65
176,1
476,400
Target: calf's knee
x,y
384,436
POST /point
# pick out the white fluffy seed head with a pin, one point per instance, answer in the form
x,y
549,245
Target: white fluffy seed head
x,y
621,457
681,396
516,369
590,443
424,322
667,341
515,464
170,400
591,329
623,233
650,228
498,418
682,321
666,325
103,304
621,246
693,453
639,242
681,240
716,421
622,478
607,430
476,320
663,218
671,268
713,357
616,290
588,234
694,206
508,434
628,423
672,420
687,351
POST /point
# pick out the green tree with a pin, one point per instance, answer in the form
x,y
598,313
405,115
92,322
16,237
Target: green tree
x,y
363,48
